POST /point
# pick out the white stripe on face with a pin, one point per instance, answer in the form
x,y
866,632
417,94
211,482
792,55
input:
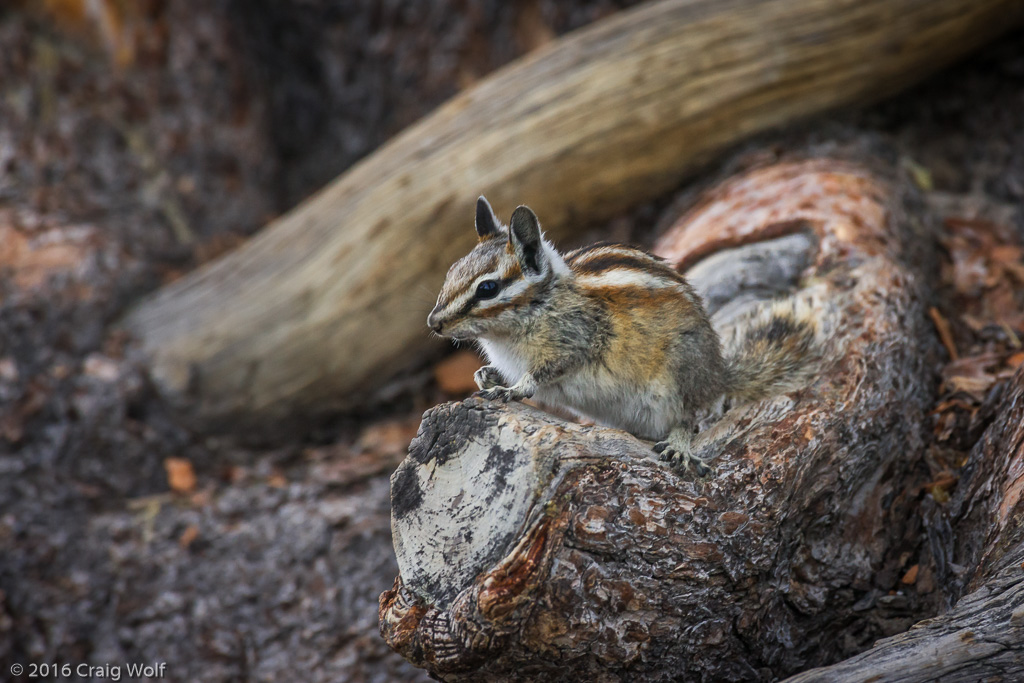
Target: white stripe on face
x,y
510,292
467,294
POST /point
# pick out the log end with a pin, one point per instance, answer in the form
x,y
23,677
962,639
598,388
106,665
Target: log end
x,y
458,502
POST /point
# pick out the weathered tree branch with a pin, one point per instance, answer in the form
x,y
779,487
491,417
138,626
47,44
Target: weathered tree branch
x,y
330,299
531,548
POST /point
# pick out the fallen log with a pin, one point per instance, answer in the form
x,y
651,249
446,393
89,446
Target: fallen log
x,y
328,302
530,548
982,637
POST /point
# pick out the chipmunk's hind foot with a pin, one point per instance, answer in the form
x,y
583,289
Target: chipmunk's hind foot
x,y
676,451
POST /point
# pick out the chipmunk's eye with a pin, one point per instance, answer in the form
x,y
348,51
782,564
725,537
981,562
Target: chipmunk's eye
x,y
488,289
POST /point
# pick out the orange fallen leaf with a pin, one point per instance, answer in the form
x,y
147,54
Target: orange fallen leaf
x,y
1015,360
188,536
454,375
973,375
32,261
951,403
388,437
277,480
180,475
200,499
975,386
911,576
1011,258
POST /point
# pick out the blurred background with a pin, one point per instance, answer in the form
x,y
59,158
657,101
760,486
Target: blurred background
x,y
140,139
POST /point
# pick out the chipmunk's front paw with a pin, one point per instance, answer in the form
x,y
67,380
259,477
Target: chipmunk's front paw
x,y
524,388
681,459
503,394
487,377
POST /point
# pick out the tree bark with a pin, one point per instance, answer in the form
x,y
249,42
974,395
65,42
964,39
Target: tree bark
x,y
982,637
330,300
530,548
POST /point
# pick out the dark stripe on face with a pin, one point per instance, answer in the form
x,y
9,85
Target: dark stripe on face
x,y
522,300
531,297
502,284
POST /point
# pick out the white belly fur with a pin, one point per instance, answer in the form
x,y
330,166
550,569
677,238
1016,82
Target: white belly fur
x,y
647,412
510,364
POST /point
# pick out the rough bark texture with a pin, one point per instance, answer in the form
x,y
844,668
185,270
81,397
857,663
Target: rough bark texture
x,y
594,123
982,637
612,566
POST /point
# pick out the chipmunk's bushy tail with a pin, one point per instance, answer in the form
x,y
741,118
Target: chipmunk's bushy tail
x,y
774,352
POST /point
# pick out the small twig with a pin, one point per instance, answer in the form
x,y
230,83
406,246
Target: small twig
x,y
1014,339
945,333
159,178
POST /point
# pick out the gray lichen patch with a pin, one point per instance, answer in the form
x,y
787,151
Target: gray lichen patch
x,y
406,494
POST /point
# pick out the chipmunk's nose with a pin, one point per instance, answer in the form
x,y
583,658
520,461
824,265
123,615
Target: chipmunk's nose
x,y
433,323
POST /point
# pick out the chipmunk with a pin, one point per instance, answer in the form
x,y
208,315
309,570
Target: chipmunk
x,y
608,331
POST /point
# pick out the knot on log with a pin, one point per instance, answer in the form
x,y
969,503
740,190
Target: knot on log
x,y
453,640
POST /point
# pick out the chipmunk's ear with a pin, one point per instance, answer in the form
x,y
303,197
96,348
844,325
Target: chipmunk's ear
x,y
524,236
487,225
